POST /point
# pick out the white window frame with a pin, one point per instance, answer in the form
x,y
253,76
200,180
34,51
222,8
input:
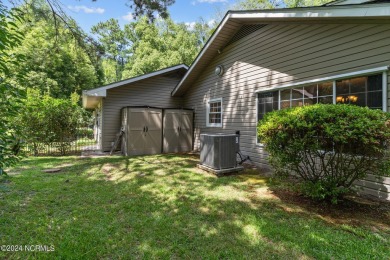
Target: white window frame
x,y
214,100
335,78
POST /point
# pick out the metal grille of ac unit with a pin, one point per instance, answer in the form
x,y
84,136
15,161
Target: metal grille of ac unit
x,y
218,151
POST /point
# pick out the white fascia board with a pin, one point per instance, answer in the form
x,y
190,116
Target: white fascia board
x,y
95,93
205,48
358,11
102,91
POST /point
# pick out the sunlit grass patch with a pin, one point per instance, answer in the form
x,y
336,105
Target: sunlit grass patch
x,y
164,207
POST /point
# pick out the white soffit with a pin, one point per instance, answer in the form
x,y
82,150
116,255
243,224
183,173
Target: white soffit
x,y
360,12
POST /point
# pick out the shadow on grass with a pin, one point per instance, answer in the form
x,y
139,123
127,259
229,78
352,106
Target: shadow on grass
x,y
352,210
161,207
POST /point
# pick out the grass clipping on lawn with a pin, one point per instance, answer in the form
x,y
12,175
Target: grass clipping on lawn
x,y
164,207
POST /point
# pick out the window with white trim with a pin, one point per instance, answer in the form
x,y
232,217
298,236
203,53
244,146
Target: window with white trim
x,y
307,95
214,113
361,91
366,91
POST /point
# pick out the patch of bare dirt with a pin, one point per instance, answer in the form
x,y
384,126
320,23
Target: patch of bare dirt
x,y
107,169
53,170
353,210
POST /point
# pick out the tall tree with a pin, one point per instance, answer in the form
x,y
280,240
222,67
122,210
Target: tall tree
x,y
150,7
143,47
54,62
114,42
10,95
203,30
159,45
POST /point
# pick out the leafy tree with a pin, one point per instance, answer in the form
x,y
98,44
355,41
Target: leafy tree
x,y
327,146
114,42
203,31
10,95
256,4
150,7
109,71
159,45
54,62
143,47
31,120
303,3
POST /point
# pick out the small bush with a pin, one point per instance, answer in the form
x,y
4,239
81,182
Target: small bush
x,y
327,146
85,132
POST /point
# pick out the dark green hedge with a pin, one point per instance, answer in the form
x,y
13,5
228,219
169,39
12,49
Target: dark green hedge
x,y
328,146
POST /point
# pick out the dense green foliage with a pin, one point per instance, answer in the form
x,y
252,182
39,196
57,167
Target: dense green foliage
x,y
159,45
328,146
55,63
143,47
150,7
116,47
46,120
10,95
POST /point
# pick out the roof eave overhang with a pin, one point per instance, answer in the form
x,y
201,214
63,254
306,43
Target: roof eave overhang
x,y
91,102
91,98
234,19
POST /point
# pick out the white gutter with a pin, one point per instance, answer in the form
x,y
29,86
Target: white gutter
x,y
333,12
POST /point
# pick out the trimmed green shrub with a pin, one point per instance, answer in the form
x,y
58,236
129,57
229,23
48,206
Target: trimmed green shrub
x,y
327,146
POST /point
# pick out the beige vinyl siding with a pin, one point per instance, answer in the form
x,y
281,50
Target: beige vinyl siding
x,y
388,91
375,186
280,54
153,92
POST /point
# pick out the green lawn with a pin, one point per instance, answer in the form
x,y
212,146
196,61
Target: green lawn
x,y
164,207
